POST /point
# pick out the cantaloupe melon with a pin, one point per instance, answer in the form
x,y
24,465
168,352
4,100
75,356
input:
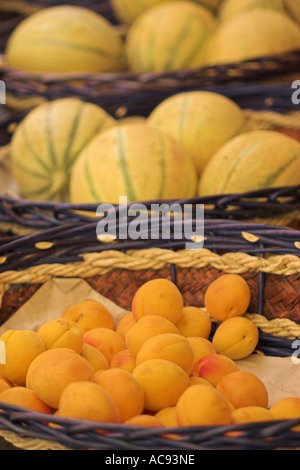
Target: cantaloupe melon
x,y
47,142
169,37
65,39
252,161
202,121
127,11
133,160
230,8
253,34
211,4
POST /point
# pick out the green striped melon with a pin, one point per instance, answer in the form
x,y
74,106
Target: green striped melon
x,y
252,34
230,8
136,161
47,142
127,11
65,39
169,37
252,161
202,121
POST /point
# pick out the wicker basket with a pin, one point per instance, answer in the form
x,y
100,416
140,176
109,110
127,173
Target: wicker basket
x,y
137,93
266,256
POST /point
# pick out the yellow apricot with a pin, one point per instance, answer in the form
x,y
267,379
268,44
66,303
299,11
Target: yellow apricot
x,y
168,416
169,346
227,296
145,328
124,389
213,367
158,297
163,383
54,372
251,414
243,388
200,381
95,357
88,401
3,385
123,360
194,321
22,347
201,405
201,347
125,324
106,340
287,408
25,398
145,420
236,338
61,333
89,314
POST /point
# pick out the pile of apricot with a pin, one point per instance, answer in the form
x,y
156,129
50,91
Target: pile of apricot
x,y
160,365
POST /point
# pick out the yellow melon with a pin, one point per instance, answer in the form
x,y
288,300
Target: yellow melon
x,y
65,39
48,141
133,160
253,34
252,161
202,121
230,8
169,37
127,11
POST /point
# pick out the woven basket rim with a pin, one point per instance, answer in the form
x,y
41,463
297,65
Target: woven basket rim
x,y
147,78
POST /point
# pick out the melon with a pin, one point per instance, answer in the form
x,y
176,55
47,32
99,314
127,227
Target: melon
x,y
253,34
251,161
169,37
201,121
230,8
127,11
65,39
136,161
47,142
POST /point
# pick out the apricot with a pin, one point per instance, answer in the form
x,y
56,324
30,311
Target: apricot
x,y
62,352
88,401
168,416
61,333
95,357
53,372
251,414
3,385
227,296
22,347
163,383
170,346
124,389
158,297
213,367
287,408
146,328
200,381
194,321
106,340
89,314
125,324
123,360
243,388
201,347
236,338
25,398
145,420
201,405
